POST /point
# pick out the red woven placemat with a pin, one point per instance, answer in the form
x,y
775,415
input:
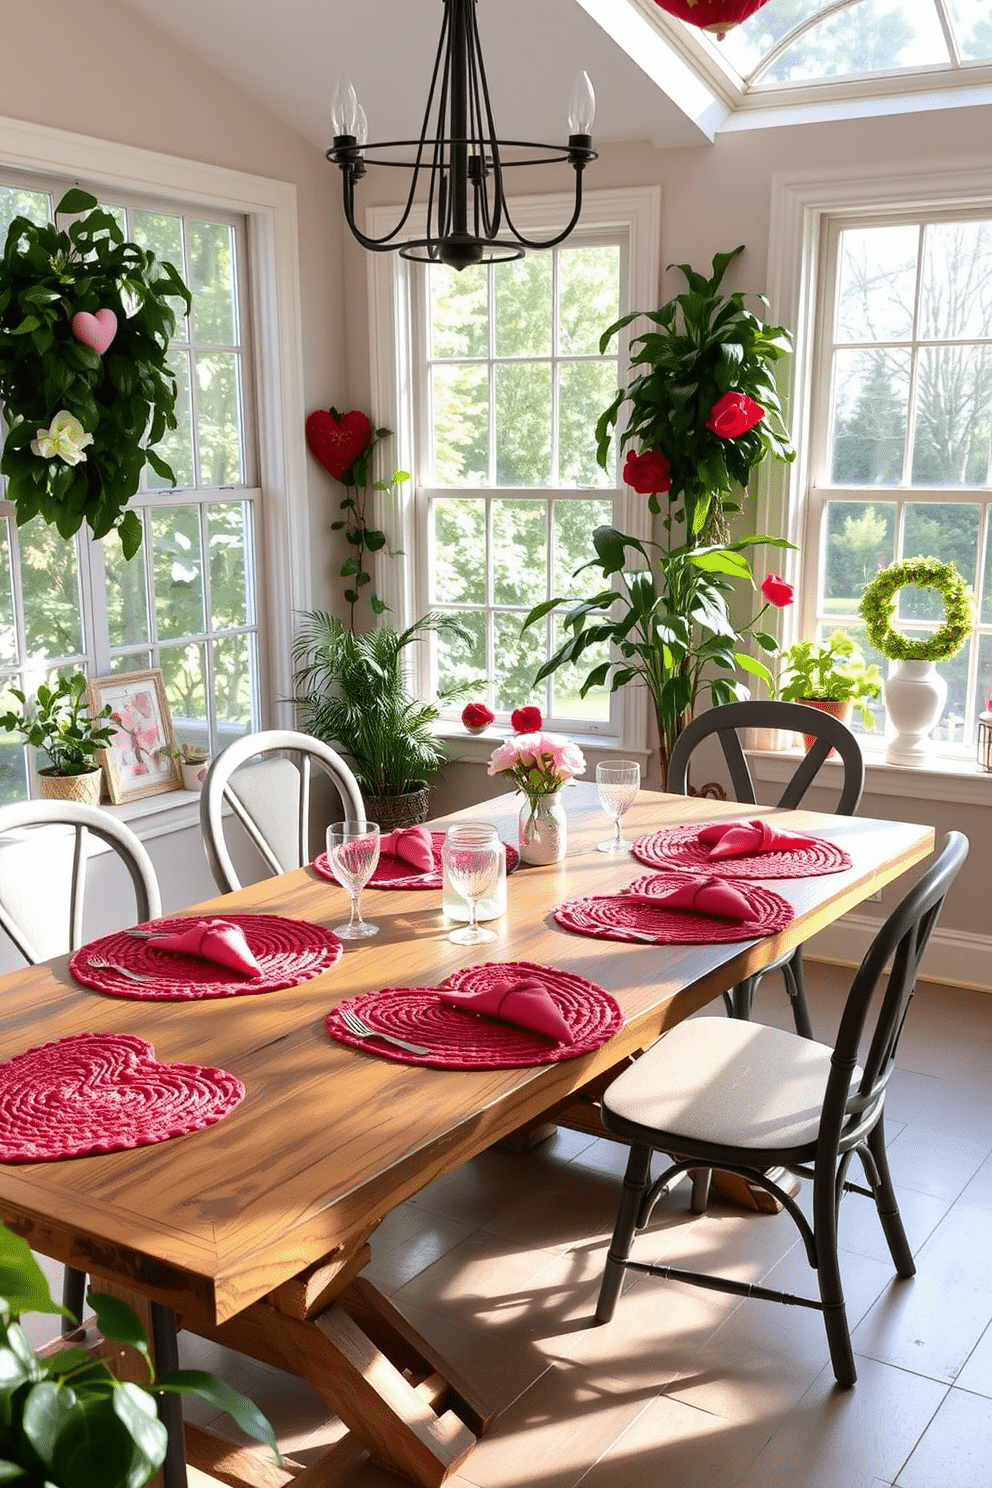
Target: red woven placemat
x,y
621,917
679,847
394,873
288,951
461,1040
103,1092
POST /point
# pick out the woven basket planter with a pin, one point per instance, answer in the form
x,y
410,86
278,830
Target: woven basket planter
x,y
399,811
82,788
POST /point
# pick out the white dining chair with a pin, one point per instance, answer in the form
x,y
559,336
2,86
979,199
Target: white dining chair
x,y
263,782
45,855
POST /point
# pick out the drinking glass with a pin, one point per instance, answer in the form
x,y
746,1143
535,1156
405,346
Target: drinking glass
x,y
353,852
618,782
471,861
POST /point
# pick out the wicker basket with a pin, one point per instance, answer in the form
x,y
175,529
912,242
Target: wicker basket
x,y
399,811
84,789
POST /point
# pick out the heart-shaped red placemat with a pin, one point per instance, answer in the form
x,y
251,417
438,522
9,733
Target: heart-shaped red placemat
x,y
338,442
103,1092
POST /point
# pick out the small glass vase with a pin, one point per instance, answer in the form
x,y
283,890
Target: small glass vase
x,y
543,832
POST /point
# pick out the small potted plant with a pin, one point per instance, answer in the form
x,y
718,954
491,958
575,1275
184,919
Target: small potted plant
x,y
59,722
832,675
194,760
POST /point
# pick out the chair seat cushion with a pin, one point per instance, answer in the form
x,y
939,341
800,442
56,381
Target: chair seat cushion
x,y
728,1083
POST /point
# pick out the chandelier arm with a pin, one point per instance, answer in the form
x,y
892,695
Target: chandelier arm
x,y
492,222
559,237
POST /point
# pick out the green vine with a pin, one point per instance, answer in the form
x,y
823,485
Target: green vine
x,y
878,608
81,425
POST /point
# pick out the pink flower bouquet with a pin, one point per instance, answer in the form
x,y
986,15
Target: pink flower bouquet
x,y
539,763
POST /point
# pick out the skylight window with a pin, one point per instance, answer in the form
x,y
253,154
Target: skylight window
x,y
789,44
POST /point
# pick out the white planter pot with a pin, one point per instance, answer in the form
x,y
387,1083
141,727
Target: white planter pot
x,y
194,773
915,695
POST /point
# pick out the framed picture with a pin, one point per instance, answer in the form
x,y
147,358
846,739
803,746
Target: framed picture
x,y
135,764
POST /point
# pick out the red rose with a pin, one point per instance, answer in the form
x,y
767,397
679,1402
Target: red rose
x,y
777,591
733,414
526,720
477,716
648,473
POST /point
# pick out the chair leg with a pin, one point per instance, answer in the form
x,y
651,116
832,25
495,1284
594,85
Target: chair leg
x,y
795,985
73,1297
635,1182
700,1190
888,1208
830,1284
743,998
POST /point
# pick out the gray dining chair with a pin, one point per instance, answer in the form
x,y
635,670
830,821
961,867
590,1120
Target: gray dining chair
x,y
263,781
743,1098
45,855
728,723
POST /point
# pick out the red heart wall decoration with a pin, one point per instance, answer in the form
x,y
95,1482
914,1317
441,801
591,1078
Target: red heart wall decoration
x,y
338,440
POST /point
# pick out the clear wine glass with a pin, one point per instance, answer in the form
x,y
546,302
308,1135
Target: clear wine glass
x,y
617,782
353,852
471,861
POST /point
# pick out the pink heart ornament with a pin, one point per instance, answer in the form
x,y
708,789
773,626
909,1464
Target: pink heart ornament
x,y
96,331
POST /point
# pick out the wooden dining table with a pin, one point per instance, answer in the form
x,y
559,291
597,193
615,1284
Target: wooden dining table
x,y
254,1232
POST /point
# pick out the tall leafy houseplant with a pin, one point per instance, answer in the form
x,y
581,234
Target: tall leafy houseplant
x,y
352,693
86,389
65,1420
704,411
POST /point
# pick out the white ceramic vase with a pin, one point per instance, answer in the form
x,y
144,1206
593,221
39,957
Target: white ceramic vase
x,y
543,831
915,694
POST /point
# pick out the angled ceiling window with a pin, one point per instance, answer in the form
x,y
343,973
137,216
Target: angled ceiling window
x,y
789,45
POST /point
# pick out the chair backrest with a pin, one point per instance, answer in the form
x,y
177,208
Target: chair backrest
x,y
44,855
264,781
902,940
727,722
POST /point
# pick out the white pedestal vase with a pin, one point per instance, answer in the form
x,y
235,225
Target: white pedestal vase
x,y
915,695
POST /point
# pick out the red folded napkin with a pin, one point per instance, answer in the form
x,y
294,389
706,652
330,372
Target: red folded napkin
x,y
701,895
526,1002
748,839
212,940
413,844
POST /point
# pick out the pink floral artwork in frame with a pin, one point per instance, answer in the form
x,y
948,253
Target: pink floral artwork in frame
x,y
135,763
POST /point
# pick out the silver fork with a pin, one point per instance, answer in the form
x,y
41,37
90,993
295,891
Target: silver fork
x,y
361,1029
99,963
591,924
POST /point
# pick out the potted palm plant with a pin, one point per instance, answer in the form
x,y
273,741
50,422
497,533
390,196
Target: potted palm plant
x,y
352,693
58,722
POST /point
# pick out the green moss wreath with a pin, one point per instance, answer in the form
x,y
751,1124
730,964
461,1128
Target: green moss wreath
x,y
83,416
878,607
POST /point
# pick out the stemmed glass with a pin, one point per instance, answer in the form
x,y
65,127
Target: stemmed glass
x,y
470,859
618,782
353,852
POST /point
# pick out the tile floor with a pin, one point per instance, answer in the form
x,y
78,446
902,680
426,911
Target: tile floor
x,y
499,1264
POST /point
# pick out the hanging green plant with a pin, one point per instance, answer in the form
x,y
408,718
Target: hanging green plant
x,y
85,385
878,607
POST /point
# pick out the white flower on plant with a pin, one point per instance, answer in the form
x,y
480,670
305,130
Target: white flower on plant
x,y
65,440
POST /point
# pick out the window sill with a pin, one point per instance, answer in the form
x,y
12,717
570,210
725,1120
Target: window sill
x,y
466,748
158,816
943,779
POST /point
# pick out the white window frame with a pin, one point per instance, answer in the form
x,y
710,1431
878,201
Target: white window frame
x,y
277,366
800,204
636,212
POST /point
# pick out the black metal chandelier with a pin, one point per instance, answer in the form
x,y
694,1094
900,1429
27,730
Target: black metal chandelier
x,y
460,155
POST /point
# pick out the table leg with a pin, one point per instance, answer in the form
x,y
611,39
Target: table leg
x,y
165,1352
387,1384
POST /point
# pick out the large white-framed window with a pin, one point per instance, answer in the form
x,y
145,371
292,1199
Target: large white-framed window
x,y
888,289
493,381
197,601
